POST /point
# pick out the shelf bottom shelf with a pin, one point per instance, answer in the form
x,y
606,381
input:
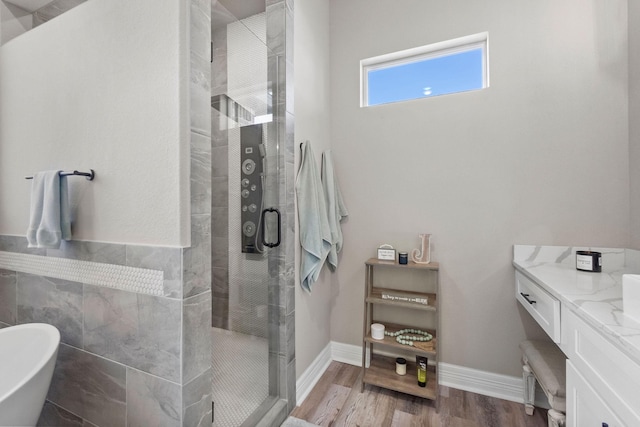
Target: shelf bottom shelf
x,y
382,373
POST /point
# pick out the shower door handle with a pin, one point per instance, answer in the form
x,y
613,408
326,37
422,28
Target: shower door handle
x,y
262,220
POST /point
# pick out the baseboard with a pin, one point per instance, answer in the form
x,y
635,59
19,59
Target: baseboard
x,y
481,382
312,374
473,380
347,353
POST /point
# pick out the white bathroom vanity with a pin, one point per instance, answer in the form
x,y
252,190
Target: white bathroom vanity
x,y
582,312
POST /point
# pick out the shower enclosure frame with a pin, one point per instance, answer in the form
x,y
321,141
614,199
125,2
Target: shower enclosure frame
x,y
281,265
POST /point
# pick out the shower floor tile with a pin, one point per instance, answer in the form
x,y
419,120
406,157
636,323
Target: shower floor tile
x,y
240,376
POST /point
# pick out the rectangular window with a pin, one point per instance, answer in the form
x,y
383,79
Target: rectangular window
x,y
451,66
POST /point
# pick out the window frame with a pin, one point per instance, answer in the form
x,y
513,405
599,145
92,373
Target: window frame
x,y
430,51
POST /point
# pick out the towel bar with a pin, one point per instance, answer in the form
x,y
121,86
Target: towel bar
x,y
90,175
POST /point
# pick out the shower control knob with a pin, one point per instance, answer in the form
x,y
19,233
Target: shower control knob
x,y
244,208
254,187
252,208
249,228
245,194
245,182
248,166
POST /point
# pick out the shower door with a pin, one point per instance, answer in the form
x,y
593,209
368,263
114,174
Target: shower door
x,y
245,219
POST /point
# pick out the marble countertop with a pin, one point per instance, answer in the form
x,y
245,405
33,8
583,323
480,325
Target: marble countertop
x,y
594,297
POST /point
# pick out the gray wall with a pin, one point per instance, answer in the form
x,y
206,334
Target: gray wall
x,y
313,123
541,157
634,123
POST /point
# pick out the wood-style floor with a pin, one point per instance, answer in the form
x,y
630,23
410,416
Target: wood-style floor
x,y
336,401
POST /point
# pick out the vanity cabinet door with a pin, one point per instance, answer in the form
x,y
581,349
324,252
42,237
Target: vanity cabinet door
x,y
610,372
584,407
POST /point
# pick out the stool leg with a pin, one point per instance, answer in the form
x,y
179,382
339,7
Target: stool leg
x,y
555,418
529,389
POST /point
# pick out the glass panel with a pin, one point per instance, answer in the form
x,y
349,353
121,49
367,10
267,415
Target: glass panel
x,y
244,183
441,75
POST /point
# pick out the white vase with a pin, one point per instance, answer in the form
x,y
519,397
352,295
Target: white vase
x,y
422,255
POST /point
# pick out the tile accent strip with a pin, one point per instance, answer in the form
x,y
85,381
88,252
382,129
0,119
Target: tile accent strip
x,y
133,279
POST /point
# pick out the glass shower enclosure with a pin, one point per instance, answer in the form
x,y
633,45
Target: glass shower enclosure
x,y
246,220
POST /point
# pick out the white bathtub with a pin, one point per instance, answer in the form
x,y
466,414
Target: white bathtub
x,y
27,358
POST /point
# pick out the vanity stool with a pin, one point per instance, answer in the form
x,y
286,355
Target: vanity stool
x,y
544,362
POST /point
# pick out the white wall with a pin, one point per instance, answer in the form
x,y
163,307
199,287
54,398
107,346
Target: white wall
x,y
312,96
541,157
101,87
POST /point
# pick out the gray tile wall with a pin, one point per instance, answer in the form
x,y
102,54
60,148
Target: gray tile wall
x,y
57,302
125,358
144,392
219,181
90,387
140,331
196,390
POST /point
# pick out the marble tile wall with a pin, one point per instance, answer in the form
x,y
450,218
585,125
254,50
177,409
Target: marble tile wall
x,y
196,378
8,301
219,175
57,302
123,355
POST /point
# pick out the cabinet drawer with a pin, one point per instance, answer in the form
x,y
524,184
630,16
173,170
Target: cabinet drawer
x,y
584,407
541,305
609,371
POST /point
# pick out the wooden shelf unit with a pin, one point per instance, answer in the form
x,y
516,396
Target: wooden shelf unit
x,y
381,370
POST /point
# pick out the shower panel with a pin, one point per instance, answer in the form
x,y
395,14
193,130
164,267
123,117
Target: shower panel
x,y
246,196
252,154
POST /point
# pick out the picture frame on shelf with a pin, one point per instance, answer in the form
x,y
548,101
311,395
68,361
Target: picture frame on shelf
x,y
386,253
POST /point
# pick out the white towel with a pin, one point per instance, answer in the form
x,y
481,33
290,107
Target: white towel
x,y
336,209
50,218
315,235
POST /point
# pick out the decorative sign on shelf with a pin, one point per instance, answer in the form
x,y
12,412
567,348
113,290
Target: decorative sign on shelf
x,y
417,300
386,253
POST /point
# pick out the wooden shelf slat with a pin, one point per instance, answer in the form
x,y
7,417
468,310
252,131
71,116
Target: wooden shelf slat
x,y
376,298
382,373
411,264
391,341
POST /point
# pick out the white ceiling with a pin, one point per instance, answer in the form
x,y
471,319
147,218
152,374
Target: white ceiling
x,y
29,5
245,8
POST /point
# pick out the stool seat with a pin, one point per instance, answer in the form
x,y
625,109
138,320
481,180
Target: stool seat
x,y
548,365
545,363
